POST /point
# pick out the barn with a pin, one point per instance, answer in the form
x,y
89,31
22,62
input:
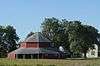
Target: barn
x,y
35,47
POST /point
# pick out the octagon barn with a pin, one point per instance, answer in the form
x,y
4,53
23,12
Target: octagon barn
x,y
36,47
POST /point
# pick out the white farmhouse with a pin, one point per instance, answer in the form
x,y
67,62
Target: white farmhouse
x,y
93,53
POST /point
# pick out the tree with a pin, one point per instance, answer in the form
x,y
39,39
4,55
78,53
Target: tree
x,y
2,44
10,38
52,28
81,37
90,35
73,28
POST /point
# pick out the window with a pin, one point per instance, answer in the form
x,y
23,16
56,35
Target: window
x,y
92,52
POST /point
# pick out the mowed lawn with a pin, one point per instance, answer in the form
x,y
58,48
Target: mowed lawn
x,y
49,62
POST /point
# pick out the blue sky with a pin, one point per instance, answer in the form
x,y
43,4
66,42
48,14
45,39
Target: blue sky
x,y
27,15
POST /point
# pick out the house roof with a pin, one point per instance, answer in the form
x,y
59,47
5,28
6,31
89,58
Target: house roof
x,y
35,51
37,37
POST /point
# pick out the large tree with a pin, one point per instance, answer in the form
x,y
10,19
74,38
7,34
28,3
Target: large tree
x,y
81,37
90,35
8,40
52,28
11,38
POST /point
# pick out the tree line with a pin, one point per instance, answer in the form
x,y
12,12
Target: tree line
x,y
74,36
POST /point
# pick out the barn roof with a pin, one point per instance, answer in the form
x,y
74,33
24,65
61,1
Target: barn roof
x,y
35,51
37,37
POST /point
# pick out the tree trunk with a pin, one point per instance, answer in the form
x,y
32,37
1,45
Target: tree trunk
x,y
85,55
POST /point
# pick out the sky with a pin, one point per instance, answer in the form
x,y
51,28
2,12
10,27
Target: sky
x,y
27,15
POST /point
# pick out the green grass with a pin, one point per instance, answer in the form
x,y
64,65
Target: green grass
x,y
49,62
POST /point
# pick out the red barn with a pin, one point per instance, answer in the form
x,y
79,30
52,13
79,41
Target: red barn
x,y
35,46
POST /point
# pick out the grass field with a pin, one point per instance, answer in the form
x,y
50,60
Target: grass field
x,y
49,62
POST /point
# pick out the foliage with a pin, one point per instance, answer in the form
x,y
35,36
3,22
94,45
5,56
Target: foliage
x,y
81,37
53,30
72,35
8,40
11,38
